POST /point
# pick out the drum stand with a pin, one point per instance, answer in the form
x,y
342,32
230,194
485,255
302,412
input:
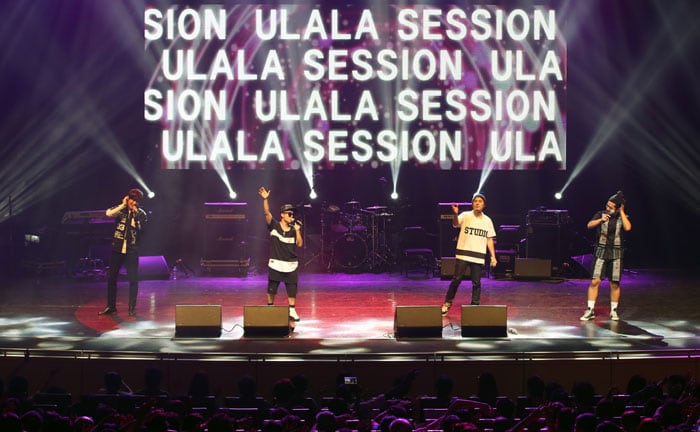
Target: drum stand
x,y
379,255
321,252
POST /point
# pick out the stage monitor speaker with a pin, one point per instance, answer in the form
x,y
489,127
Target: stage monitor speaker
x,y
153,267
417,321
484,321
447,268
533,268
197,320
266,321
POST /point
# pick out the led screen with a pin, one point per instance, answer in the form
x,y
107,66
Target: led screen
x,y
448,87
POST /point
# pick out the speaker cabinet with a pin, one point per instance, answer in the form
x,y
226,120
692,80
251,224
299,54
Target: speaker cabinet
x,y
533,268
447,268
417,321
225,231
271,321
549,242
484,321
197,320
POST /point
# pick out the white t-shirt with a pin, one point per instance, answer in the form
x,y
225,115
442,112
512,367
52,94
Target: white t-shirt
x,y
473,233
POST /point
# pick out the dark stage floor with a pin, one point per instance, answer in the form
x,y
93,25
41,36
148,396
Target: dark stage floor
x,y
353,315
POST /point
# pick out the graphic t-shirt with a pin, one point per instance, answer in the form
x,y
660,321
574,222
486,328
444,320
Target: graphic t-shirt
x,y
473,233
283,257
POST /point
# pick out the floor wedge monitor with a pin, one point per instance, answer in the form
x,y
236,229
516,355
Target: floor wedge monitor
x,y
197,320
484,321
417,321
266,321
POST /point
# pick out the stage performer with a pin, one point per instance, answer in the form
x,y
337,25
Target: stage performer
x,y
476,234
607,261
130,219
285,237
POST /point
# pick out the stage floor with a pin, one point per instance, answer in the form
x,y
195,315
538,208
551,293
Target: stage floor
x,y
353,315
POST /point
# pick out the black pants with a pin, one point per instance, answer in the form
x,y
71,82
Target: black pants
x,y
273,286
460,269
131,263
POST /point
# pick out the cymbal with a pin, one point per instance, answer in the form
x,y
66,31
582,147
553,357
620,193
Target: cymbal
x,y
375,208
331,209
352,203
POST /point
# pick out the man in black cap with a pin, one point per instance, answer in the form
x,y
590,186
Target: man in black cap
x,y
607,262
130,219
476,234
285,237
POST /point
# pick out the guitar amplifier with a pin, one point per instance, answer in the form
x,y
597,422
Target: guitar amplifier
x,y
225,231
547,217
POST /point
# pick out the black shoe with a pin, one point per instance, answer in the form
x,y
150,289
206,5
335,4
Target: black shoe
x,y
107,311
132,312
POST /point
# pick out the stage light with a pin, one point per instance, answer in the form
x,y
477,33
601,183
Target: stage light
x,y
394,195
558,195
313,195
151,194
232,195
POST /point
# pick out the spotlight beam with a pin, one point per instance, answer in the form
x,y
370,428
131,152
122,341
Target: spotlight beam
x,y
627,103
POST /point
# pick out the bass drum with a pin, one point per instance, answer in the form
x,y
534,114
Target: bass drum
x,y
349,252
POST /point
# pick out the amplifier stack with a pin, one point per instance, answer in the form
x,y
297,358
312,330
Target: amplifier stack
x,y
548,236
225,233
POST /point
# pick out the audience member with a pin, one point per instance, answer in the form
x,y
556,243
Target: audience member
x,y
660,412
152,380
487,389
114,385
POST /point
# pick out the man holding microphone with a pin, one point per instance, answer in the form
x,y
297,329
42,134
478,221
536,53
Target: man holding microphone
x,y
283,265
130,220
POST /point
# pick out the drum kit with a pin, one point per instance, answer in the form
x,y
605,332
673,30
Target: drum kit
x,y
354,238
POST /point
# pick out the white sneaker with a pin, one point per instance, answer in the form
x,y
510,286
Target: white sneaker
x,y
293,315
588,315
614,316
